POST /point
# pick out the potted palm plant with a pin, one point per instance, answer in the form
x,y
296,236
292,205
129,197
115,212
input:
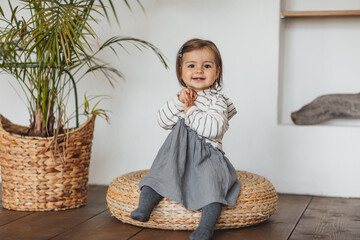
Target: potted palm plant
x,y
46,46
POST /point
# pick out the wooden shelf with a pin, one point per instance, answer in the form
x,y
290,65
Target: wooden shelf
x,y
338,13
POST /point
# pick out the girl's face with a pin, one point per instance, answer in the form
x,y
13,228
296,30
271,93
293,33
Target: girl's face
x,y
198,69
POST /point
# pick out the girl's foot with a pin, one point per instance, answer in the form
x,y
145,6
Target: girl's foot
x,y
139,215
202,233
148,200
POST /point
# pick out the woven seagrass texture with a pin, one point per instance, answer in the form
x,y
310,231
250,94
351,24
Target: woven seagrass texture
x,y
256,203
39,175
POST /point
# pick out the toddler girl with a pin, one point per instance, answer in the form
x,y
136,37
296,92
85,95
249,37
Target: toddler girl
x,y
190,167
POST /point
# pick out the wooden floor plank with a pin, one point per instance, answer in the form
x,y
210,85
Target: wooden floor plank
x,y
102,226
330,218
44,225
151,234
278,227
7,216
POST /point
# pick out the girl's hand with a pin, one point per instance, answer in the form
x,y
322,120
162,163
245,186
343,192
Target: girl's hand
x,y
189,98
185,93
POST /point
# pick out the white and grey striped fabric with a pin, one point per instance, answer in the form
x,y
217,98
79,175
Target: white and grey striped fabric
x,y
209,118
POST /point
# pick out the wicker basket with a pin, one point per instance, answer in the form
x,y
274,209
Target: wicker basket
x,y
38,175
256,203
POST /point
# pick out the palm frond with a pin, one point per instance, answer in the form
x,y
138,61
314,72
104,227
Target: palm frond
x,y
114,11
56,39
136,42
1,11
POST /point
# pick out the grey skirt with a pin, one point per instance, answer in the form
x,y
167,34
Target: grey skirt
x,y
192,172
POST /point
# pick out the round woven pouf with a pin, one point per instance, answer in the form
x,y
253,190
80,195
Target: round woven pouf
x,y
256,203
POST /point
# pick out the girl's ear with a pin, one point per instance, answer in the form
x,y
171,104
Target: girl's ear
x,y
218,72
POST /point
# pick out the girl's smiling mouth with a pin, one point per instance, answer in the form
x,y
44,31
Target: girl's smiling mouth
x,y
198,79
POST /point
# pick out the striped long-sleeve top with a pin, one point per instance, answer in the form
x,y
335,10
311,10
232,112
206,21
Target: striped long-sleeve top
x,y
209,118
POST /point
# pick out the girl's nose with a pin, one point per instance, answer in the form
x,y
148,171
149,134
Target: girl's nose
x,y
199,70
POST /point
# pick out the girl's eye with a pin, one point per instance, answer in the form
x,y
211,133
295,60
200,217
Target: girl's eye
x,y
207,66
191,66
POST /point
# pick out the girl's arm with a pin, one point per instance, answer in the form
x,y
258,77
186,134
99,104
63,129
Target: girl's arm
x,y
210,123
169,114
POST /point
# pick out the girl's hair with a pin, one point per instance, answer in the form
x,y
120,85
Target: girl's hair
x,y
195,44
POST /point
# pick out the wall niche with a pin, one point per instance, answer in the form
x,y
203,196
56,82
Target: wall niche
x,y
318,54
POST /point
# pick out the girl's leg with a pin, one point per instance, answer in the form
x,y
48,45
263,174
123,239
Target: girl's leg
x,y
148,200
209,216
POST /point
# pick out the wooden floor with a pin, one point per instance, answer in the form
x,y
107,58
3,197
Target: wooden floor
x,y
297,217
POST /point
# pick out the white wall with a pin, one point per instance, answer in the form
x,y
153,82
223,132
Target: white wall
x,y
320,160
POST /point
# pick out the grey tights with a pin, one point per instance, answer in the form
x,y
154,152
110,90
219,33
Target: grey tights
x,y
148,200
209,214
